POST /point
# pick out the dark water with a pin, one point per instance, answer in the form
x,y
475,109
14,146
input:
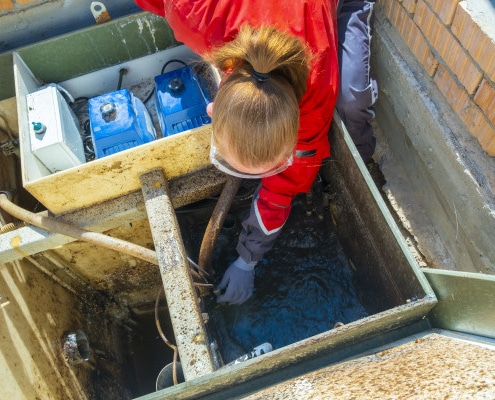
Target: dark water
x,y
303,287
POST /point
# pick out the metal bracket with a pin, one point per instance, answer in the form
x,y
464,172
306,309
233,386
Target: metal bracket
x,y
100,12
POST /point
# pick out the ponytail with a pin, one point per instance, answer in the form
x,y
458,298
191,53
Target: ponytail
x,y
256,109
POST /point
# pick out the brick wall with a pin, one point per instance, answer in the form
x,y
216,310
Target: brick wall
x,y
456,54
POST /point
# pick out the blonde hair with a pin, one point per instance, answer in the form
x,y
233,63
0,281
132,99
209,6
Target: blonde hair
x,y
256,110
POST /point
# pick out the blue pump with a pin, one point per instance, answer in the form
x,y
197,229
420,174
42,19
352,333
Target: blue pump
x,y
181,97
119,121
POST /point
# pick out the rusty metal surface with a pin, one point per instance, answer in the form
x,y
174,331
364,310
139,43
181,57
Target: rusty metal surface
x,y
430,367
216,221
182,300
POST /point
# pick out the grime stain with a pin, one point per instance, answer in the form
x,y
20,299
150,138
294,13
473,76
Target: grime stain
x,y
116,165
16,243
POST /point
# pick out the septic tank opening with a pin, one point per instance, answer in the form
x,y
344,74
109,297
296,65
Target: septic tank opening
x,y
321,273
304,286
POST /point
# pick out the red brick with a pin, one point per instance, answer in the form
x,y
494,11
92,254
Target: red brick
x,y
485,99
475,41
409,5
444,9
24,2
447,47
6,5
419,46
479,127
475,121
413,37
452,91
390,9
490,148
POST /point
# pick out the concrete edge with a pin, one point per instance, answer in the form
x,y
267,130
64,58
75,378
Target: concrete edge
x,y
434,153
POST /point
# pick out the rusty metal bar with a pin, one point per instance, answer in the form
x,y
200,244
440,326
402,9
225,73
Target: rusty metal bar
x,y
216,221
182,299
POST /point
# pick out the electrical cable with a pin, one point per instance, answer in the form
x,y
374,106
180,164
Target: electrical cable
x,y
122,72
80,109
164,338
170,62
88,145
148,98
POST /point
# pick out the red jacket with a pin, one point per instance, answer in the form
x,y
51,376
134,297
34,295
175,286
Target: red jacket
x,y
203,24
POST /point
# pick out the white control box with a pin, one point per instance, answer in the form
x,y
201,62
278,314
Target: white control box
x,y
54,130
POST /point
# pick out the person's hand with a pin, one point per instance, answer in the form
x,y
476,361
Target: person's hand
x,y
238,281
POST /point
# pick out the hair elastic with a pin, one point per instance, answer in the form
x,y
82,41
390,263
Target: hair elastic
x,y
260,76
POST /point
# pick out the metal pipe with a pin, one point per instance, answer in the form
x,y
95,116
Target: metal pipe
x,y
76,232
100,239
216,221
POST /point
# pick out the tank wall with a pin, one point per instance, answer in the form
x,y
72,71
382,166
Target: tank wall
x,y
35,314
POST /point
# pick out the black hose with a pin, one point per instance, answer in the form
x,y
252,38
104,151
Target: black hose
x,y
122,72
170,62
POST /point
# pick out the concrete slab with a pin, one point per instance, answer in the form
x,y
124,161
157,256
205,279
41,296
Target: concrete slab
x,y
433,366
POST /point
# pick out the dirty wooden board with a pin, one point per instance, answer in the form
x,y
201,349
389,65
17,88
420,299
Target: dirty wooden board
x,y
118,174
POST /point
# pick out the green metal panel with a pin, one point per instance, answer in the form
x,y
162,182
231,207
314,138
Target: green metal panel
x,y
466,301
90,49
7,88
98,47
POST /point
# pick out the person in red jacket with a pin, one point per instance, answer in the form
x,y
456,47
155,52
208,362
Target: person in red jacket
x,y
284,64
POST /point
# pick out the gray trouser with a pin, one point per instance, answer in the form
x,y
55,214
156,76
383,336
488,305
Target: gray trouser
x,y
358,90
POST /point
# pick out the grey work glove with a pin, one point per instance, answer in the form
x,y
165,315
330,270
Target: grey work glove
x,y
238,281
